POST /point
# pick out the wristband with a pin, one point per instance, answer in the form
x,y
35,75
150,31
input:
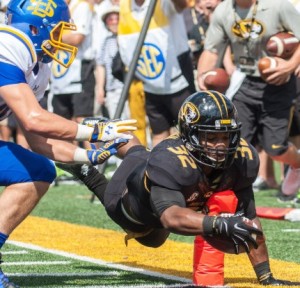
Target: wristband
x,y
208,225
84,132
80,156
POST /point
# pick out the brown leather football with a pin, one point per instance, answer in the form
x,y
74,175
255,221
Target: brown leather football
x,y
282,44
216,79
265,63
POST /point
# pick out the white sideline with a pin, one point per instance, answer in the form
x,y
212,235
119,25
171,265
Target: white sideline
x,y
14,252
29,263
100,262
113,273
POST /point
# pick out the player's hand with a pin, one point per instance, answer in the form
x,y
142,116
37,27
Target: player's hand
x,y
109,130
100,155
271,281
234,228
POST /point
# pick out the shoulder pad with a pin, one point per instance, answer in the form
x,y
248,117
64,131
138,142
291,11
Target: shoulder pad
x,y
170,165
246,158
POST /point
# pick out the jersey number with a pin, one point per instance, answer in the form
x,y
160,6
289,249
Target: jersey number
x,y
183,156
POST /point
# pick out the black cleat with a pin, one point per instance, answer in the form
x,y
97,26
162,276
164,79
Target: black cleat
x,y
80,171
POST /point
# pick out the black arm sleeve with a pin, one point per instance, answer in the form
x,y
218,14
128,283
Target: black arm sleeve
x,y
246,202
162,198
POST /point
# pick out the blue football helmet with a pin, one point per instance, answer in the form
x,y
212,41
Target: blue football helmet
x,y
44,21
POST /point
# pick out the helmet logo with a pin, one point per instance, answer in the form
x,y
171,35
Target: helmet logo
x,y
189,113
42,8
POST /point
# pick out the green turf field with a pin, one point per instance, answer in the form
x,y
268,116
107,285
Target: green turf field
x,y
33,265
74,206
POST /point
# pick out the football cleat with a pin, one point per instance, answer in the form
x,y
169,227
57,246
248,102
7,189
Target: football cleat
x,y
80,171
260,184
291,182
282,198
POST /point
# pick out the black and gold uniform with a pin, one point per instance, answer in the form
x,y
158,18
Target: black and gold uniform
x,y
156,192
146,183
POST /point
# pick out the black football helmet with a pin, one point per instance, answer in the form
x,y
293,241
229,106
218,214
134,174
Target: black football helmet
x,y
209,112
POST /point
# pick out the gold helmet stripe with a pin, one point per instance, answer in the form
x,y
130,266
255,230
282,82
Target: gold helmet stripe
x,y
215,97
224,102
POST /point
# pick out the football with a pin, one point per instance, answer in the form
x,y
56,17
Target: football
x,y
282,44
216,79
264,63
226,245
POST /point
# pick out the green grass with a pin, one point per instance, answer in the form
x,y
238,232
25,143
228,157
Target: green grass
x,y
45,269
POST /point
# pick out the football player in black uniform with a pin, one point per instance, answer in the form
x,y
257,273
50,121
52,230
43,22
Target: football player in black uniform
x,y
154,193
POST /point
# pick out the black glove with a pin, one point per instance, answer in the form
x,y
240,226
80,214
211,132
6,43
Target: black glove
x,y
231,227
270,280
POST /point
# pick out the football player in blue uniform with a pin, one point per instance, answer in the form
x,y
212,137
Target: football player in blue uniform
x,y
27,46
156,192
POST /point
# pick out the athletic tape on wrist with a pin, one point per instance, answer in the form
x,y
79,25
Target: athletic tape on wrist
x,y
80,156
84,132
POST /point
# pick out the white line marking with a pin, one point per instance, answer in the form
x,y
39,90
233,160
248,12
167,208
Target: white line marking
x,y
29,263
99,262
84,274
14,252
290,230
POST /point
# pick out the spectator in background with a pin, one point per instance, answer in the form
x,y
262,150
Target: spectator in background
x,y
164,65
109,88
196,20
73,89
286,194
3,5
100,32
136,95
196,27
263,111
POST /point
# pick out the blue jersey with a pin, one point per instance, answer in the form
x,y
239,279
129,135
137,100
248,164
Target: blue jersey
x,y
18,64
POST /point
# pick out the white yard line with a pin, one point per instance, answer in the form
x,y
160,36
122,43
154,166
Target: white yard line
x,y
29,263
14,252
84,274
100,262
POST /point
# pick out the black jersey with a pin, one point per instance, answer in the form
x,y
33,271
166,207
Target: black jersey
x,y
128,195
170,166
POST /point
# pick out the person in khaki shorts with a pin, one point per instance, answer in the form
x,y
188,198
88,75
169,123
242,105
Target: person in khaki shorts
x,y
265,107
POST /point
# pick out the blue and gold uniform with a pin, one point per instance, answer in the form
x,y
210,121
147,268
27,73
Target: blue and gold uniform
x,y
27,46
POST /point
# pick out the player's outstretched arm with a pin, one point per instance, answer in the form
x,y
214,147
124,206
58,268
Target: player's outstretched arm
x,y
36,120
66,152
184,221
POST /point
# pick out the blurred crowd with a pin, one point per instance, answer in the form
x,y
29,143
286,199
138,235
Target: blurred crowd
x,y
106,37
